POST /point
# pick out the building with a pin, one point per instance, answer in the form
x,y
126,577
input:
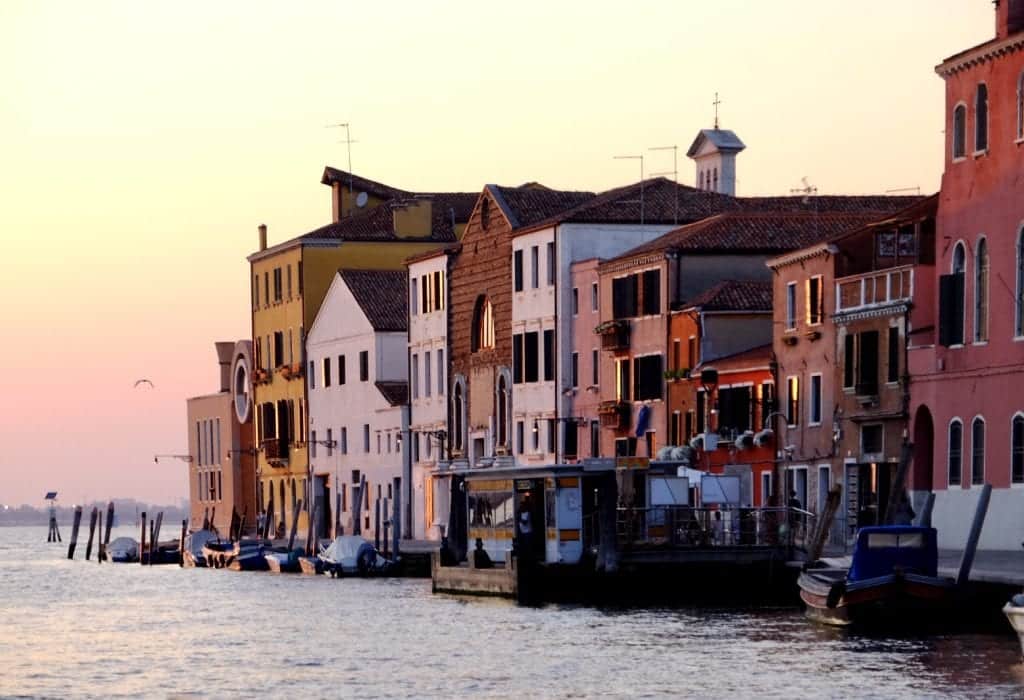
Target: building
x,y
966,379
358,397
221,466
374,226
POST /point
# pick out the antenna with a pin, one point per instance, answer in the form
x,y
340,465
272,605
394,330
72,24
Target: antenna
x,y
674,173
807,190
916,190
641,200
716,103
348,146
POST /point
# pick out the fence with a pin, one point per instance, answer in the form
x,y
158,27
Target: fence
x,y
687,527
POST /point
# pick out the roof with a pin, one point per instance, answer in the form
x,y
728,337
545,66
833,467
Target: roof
x,y
361,184
396,393
759,356
722,139
381,294
378,223
530,203
735,295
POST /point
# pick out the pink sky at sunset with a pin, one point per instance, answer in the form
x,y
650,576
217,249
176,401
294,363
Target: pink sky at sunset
x,y
143,143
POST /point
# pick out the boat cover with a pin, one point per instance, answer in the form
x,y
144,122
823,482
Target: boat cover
x,y
880,550
347,550
195,542
123,548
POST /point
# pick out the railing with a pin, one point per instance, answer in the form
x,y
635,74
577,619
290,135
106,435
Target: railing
x,y
874,288
614,335
275,450
614,414
683,527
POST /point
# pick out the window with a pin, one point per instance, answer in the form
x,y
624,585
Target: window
x,y
594,365
575,301
624,297
426,374
344,440
791,306
534,267
652,292
793,401
734,408
327,372
675,428
330,442
425,294
440,372
595,438
594,297
1019,317
849,360
520,445
571,441
575,369
364,365
483,325
648,372
502,412
517,358
956,446
815,301
691,351
255,292
814,417
981,292
551,263
871,437
341,369
535,436
366,438
298,273
278,348
960,131
458,422
277,284
867,363
266,289
552,433
978,451
1020,106
289,282
893,370
378,443
438,295
981,119
517,270
549,356
951,300
312,444
530,356
415,376
623,387
312,375
1017,450
413,296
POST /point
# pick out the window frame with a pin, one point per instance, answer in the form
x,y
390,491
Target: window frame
x,y
814,400
981,118
791,308
1016,476
815,306
976,422
792,401
959,133
955,421
982,291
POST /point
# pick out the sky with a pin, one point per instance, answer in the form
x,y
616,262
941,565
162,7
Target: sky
x,y
142,143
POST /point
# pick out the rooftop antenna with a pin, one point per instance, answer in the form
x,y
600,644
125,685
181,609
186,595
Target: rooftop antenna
x,y
674,173
807,190
916,190
641,200
348,146
716,103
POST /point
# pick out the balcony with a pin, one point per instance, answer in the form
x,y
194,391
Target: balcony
x,y
874,289
261,376
614,414
290,371
614,335
276,452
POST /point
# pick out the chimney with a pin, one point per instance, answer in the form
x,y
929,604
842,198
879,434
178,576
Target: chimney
x,y
263,236
413,218
224,357
1009,17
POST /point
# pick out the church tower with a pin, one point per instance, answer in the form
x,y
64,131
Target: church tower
x,y
714,151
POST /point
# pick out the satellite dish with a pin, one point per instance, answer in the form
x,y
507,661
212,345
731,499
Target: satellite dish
x,y
361,199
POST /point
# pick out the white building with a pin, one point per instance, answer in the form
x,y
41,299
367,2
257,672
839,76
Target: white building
x,y
428,374
358,395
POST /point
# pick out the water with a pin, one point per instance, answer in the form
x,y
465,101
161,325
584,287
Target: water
x,y
73,629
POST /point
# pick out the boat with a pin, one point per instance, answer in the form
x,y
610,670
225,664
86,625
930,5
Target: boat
x,y
281,560
243,555
167,552
892,578
194,543
1014,611
123,550
351,555
311,566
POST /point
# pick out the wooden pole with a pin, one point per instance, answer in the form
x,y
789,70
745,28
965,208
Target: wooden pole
x,y
835,495
181,543
142,540
396,516
268,521
110,524
358,497
385,523
74,532
156,532
241,522
898,483
213,517
974,535
376,524
295,523
312,531
92,533
925,517
99,539
337,510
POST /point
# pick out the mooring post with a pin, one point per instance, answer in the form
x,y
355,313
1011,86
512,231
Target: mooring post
x,y
311,531
386,524
337,513
295,523
155,544
975,534
376,524
110,524
142,540
396,517
925,518
74,532
181,543
92,532
99,539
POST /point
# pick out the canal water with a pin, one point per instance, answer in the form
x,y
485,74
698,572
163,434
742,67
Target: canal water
x,y
79,629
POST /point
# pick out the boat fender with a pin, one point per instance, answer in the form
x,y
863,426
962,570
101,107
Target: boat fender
x,y
835,594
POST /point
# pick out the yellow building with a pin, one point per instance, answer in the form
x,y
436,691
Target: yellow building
x,y
374,227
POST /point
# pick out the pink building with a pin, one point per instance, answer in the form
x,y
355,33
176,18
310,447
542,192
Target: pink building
x,y
967,365
585,365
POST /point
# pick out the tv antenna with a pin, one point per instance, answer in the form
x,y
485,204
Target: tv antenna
x,y
916,190
348,148
807,190
641,200
675,176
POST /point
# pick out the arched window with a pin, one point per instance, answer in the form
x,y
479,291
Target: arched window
x,y
1017,450
503,412
956,315
483,325
955,452
715,188
458,421
978,451
1019,315
1020,106
960,131
981,118
981,292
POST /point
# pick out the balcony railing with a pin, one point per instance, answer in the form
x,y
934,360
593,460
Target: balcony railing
x,y
275,450
614,414
614,335
873,289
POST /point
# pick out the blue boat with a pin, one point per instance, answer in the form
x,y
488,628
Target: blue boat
x,y
893,577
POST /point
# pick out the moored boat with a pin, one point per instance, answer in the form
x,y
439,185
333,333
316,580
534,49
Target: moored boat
x,y
282,560
123,550
245,555
1014,611
351,555
194,542
892,577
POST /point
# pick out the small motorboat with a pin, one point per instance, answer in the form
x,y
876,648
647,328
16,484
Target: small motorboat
x,y
351,555
123,550
194,543
281,560
1014,611
168,552
244,555
892,577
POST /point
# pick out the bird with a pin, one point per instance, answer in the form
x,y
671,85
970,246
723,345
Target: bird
x,y
143,381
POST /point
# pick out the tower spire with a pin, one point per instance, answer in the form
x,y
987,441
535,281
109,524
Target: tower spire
x,y
716,103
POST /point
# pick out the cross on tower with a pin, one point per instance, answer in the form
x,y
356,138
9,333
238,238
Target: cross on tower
x,y
716,103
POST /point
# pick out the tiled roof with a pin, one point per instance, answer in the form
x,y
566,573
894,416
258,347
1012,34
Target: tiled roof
x,y
734,295
876,205
530,203
396,393
378,224
758,357
381,294
362,184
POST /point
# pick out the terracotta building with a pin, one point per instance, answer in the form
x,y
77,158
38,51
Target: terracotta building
x,y
966,372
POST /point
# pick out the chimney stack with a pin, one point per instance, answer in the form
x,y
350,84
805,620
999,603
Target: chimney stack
x,y
1009,17
263,236
225,353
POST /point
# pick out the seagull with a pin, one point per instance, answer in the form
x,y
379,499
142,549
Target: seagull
x,y
143,381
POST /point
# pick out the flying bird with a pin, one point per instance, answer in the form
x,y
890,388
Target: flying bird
x,y
143,381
